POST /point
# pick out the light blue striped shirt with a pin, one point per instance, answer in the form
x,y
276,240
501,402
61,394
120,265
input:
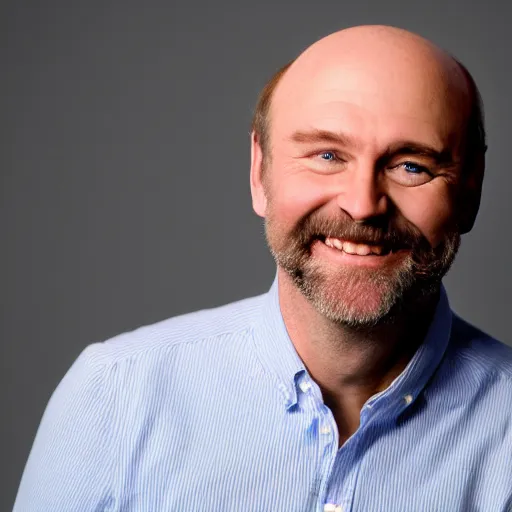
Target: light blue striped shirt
x,y
215,411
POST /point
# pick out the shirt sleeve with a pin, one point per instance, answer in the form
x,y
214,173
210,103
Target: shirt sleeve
x,y
68,468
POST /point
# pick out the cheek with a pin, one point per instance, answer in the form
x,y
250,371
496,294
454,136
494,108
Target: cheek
x,y
430,208
294,193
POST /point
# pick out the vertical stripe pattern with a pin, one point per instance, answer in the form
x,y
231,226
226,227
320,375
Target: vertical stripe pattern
x,y
214,411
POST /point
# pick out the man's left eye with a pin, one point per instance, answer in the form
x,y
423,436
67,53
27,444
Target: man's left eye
x,y
414,168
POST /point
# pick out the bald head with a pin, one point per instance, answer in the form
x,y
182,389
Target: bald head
x,y
377,47
385,70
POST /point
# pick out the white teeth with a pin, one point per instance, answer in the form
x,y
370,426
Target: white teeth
x,y
337,243
360,249
352,248
363,250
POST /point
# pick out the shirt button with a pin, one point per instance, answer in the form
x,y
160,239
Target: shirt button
x,y
331,507
305,386
408,399
326,430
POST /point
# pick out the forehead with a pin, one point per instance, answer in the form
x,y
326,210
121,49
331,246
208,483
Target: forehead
x,y
376,102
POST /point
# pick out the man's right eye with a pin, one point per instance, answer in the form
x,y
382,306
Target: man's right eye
x,y
328,156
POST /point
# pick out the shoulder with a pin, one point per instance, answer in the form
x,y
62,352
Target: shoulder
x,y
203,327
132,370
477,349
112,393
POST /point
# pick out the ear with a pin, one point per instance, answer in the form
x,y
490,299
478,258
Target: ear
x,y
470,194
259,198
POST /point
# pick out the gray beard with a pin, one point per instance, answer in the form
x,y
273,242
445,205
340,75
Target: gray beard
x,y
401,289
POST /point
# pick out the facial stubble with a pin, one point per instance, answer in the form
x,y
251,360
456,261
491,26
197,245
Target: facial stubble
x,y
359,297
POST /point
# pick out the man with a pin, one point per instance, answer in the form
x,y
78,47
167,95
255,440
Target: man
x,y
350,386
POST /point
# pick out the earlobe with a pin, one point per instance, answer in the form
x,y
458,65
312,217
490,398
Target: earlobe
x,y
259,198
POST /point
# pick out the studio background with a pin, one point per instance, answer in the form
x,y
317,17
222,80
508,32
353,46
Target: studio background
x,y
124,192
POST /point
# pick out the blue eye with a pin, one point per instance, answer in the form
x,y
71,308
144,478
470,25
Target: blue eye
x,y
414,168
329,156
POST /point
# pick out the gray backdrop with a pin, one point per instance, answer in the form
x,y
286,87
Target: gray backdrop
x,y
125,161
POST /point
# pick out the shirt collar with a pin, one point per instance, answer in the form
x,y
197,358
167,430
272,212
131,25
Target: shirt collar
x,y
405,389
275,348
279,357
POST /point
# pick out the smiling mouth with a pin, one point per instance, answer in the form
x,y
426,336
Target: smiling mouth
x,y
359,249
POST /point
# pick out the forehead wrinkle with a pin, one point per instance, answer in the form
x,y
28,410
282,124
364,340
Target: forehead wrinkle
x,y
356,127
386,68
359,126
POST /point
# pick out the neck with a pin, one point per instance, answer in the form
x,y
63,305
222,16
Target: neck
x,y
350,365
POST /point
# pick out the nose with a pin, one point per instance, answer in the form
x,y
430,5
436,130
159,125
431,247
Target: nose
x,y
362,195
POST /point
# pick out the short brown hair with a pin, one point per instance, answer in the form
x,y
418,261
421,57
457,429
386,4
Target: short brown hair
x,y
261,118
476,139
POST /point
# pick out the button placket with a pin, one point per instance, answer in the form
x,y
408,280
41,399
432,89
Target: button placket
x,y
329,447
326,436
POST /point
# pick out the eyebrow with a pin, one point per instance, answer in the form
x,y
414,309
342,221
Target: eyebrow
x,y
404,148
315,135
400,148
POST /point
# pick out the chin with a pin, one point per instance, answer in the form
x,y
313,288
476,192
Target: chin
x,y
353,298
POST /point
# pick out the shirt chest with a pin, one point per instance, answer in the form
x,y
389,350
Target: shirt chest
x,y
228,454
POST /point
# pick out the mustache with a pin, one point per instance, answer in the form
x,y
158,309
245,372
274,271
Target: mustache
x,y
397,233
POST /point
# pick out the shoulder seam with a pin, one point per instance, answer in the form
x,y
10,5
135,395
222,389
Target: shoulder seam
x,y
111,359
